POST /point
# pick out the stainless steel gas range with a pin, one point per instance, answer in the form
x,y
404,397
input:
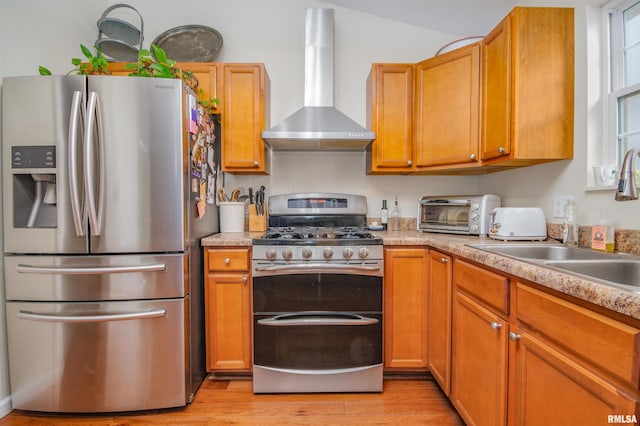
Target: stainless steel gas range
x,y
317,297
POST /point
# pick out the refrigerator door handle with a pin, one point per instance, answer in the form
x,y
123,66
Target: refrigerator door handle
x,y
76,120
96,207
33,316
30,269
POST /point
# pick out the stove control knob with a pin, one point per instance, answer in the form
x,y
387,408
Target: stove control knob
x,y
347,252
307,253
363,252
271,254
327,252
287,253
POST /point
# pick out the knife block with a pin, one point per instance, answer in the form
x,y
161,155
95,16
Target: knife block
x,y
257,223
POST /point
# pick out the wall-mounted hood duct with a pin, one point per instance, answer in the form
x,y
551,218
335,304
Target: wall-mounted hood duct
x,y
318,125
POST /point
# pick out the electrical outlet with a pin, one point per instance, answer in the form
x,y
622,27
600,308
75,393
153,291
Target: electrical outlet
x,y
559,202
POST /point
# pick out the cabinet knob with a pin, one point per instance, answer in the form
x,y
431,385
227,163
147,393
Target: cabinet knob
x,y
472,156
227,261
256,163
496,325
501,150
245,279
514,336
409,163
444,260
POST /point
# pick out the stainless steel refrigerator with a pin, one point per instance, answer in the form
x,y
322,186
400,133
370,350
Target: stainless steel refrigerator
x,y
108,188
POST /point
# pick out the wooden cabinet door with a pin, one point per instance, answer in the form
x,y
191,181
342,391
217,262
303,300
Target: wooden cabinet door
x,y
390,115
244,102
447,126
496,92
439,318
551,389
405,308
228,315
479,360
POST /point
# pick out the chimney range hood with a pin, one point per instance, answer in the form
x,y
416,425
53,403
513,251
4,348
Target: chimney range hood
x,y
318,125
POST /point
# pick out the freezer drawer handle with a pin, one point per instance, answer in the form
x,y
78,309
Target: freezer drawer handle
x,y
153,313
29,269
318,318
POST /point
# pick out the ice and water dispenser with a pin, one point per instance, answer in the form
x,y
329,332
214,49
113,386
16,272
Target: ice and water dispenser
x,y
34,186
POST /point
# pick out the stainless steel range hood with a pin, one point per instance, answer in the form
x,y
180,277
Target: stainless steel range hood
x,y
318,125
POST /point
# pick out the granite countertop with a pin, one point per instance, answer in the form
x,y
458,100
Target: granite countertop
x,y
618,300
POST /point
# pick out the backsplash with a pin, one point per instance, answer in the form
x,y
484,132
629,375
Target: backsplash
x,y
626,240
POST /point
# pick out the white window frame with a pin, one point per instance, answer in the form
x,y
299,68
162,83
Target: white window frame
x,y
613,76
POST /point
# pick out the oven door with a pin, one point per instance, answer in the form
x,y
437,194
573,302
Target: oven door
x,y
317,333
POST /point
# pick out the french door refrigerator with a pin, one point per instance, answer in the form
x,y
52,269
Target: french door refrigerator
x,y
107,185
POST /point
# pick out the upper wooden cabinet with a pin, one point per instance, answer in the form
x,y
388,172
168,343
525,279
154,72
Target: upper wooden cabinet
x,y
528,88
390,115
505,102
245,102
242,91
447,109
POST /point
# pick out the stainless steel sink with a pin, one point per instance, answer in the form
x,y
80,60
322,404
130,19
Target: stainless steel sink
x,y
613,269
623,272
542,253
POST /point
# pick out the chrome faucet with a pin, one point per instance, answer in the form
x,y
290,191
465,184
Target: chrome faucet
x,y
626,184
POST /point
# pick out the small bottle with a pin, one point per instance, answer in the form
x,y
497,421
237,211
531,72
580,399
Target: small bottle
x,y
609,233
394,219
384,215
570,224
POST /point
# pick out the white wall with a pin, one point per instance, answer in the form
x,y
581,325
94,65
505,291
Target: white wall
x,y
37,32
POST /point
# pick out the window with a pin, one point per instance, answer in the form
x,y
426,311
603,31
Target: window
x,y
623,25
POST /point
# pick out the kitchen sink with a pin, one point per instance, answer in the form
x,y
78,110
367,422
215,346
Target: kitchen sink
x,y
622,272
542,253
613,269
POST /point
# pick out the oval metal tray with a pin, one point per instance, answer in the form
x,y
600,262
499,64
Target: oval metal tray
x,y
190,43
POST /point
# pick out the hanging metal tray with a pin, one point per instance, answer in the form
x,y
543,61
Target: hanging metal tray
x,y
190,43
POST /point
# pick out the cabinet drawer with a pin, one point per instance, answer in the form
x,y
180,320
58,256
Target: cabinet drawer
x,y
228,260
607,343
489,287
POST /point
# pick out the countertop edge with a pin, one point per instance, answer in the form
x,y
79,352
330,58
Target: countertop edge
x,y
611,298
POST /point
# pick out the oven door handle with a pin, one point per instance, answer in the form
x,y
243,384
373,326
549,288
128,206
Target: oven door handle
x,y
342,267
317,318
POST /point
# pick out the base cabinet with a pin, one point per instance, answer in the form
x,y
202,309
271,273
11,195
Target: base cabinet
x,y
439,293
552,389
405,308
480,350
228,318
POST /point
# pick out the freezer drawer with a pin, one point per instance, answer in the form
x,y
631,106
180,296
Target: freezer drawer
x,y
98,357
91,278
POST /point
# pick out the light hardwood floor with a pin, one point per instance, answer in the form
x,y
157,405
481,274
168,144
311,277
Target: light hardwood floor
x,y
232,402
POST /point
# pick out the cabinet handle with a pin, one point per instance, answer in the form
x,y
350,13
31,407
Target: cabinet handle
x,y
496,325
444,260
256,163
409,163
472,156
501,150
245,279
227,261
514,336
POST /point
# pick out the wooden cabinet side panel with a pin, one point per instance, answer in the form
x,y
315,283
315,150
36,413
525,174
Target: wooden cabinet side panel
x,y
439,297
543,77
405,308
447,108
550,388
479,363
